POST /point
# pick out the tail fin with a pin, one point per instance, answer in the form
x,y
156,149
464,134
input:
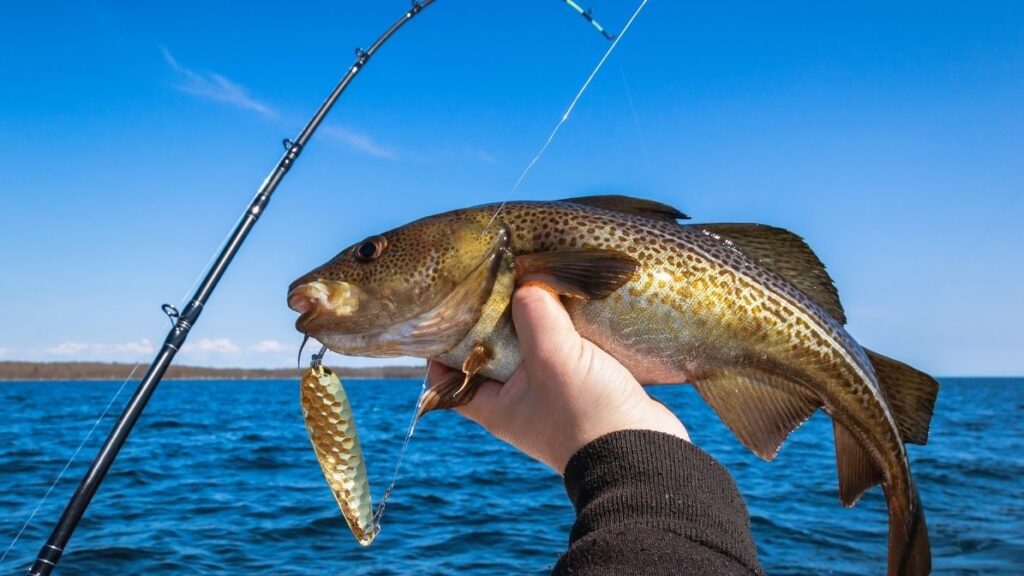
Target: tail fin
x,y
910,551
910,394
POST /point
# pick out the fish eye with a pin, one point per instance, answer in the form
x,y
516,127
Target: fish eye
x,y
370,249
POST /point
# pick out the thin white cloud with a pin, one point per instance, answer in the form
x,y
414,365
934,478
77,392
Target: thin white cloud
x,y
268,347
358,141
214,352
213,86
100,351
71,348
462,155
483,156
211,346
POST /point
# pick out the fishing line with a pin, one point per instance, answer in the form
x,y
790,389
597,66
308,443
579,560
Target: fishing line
x,y
636,120
172,313
51,552
568,110
379,514
941,285
213,257
996,219
69,462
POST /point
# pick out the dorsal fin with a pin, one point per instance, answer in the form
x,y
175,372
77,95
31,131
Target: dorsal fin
x,y
856,470
910,394
787,255
630,205
760,408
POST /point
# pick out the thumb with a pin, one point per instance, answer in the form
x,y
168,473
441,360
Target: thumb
x,y
544,328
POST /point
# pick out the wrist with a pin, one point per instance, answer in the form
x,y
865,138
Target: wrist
x,y
654,418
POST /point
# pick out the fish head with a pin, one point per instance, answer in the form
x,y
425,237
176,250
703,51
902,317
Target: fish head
x,y
412,291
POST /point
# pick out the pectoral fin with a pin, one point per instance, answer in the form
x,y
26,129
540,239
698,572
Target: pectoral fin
x,y
585,273
760,408
477,358
787,255
630,205
910,395
856,471
454,391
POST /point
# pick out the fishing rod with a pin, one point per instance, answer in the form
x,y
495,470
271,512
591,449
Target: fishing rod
x,y
183,321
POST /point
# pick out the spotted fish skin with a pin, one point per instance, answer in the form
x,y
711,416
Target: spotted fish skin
x,y
704,304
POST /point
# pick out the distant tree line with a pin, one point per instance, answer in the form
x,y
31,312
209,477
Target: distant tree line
x,y
117,371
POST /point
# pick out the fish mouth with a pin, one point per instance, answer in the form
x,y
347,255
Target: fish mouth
x,y
322,297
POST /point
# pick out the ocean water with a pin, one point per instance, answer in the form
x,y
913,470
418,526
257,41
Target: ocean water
x,y
219,478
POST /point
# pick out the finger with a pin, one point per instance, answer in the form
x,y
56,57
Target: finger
x,y
543,326
483,407
437,372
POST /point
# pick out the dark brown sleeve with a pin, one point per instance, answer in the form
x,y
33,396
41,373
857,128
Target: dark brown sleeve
x,y
650,503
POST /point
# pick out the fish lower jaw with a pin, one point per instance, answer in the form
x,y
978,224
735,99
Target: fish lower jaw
x,y
416,337
366,345
383,345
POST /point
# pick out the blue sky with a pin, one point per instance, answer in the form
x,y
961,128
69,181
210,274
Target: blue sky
x,y
888,134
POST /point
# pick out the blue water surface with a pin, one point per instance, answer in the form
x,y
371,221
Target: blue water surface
x,y
219,478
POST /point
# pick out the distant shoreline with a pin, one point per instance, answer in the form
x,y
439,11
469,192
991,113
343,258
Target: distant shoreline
x,y
15,371
97,371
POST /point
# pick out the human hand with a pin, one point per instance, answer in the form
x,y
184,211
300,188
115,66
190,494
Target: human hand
x,y
566,393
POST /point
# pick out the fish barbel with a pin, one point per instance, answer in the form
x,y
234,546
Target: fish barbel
x,y
744,312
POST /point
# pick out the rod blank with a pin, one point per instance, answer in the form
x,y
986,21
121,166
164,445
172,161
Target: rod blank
x,y
51,552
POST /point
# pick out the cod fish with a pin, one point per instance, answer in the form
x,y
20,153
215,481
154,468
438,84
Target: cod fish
x,y
744,312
